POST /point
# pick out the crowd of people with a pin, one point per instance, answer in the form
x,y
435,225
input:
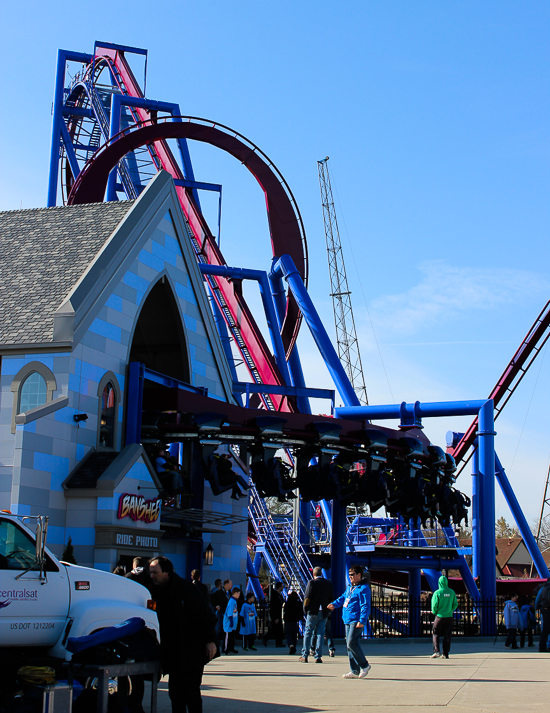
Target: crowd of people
x,y
196,625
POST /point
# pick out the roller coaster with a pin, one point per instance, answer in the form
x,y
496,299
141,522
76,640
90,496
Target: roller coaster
x,y
108,141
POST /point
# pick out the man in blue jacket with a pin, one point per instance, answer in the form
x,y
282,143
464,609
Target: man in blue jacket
x,y
356,603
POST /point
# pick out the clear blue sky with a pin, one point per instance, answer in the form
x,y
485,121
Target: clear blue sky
x,y
436,116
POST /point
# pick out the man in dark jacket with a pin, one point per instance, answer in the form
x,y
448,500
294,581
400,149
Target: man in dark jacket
x,y
139,572
219,599
542,602
276,602
187,634
319,594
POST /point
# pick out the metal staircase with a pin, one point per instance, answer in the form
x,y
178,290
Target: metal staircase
x,y
279,546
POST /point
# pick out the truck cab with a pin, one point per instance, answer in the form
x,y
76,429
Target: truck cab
x,y
44,601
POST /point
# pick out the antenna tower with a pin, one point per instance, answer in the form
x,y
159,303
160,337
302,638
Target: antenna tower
x,y
346,337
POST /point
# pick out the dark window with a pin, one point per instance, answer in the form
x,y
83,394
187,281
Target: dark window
x,y
107,417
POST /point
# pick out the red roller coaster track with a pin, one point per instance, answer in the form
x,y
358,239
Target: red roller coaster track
x,y
286,228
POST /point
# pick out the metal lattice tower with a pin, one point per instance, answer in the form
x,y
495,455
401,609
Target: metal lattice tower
x,y
346,337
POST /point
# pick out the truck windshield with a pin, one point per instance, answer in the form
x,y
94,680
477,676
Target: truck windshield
x,y
17,550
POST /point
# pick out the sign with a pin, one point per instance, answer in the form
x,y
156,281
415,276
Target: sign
x,y
137,508
123,538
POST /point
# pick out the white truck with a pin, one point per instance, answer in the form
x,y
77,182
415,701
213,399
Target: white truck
x,y
44,601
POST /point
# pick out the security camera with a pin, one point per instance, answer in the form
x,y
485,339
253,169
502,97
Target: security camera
x,y
80,417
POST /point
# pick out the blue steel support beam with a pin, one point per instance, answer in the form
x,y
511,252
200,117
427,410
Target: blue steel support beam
x,y
261,277
414,602
225,340
135,403
63,56
432,575
421,410
521,522
120,100
486,440
253,580
286,268
294,365
464,570
376,561
487,571
477,487
71,156
338,564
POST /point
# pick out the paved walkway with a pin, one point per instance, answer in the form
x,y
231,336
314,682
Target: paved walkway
x,y
477,677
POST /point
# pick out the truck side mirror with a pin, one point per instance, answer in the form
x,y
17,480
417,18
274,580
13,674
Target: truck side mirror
x,y
41,531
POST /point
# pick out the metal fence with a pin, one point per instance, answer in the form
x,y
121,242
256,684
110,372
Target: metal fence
x,y
399,617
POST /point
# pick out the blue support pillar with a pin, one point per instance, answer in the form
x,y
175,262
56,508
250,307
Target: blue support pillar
x,y
521,522
486,440
285,267
294,365
304,511
134,402
338,564
414,602
477,487
252,572
63,56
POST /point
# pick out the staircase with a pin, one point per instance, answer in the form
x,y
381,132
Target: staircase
x,y
279,546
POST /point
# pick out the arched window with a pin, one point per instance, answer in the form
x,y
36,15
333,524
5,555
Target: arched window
x,y
109,399
107,417
33,392
32,386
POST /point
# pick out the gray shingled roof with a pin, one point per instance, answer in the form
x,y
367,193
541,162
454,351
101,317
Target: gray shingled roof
x,y
43,254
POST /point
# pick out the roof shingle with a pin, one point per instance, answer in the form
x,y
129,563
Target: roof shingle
x,y
43,254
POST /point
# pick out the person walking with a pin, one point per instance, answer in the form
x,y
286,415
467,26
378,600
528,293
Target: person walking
x,y
196,579
512,621
187,635
542,603
528,621
318,595
293,614
219,599
444,603
356,604
231,621
276,602
248,616
328,635
139,573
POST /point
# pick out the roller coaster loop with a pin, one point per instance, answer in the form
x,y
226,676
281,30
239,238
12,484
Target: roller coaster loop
x,y
285,223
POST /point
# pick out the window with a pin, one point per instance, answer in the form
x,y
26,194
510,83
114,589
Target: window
x,y
108,394
17,550
107,417
33,386
33,392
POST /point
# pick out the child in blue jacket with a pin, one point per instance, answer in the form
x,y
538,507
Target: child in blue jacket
x,y
512,621
248,627
356,603
230,622
528,622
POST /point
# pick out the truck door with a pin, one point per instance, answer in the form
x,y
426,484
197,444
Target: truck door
x,y
32,612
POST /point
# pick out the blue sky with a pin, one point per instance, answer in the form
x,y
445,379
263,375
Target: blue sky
x,y
436,118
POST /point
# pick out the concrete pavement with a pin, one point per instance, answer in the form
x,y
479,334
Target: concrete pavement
x,y
478,677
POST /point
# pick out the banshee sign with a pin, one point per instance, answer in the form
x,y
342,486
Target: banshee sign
x,y
137,508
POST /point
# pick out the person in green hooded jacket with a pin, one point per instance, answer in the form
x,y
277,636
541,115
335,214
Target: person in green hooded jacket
x,y
444,603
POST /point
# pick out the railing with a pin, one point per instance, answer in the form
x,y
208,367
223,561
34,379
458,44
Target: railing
x,y
283,553
391,617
